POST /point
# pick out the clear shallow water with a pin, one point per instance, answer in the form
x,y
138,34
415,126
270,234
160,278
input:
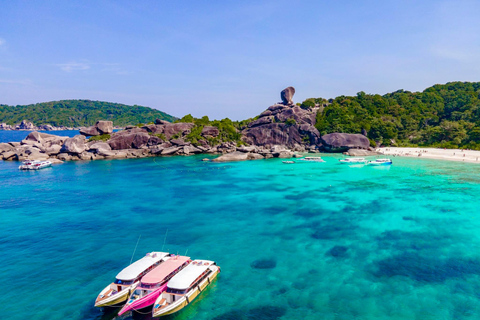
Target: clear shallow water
x,y
301,241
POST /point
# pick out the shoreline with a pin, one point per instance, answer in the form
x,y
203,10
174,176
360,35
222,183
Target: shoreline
x,y
459,155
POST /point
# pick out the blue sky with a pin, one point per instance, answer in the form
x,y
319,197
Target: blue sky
x,y
231,58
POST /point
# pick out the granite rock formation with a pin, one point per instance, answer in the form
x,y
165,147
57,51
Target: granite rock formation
x,y
287,95
287,125
101,127
340,142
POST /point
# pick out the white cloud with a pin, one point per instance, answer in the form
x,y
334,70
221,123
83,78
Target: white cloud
x,y
74,66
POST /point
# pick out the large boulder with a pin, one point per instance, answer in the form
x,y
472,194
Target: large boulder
x,y
128,140
44,138
191,149
74,145
89,131
101,148
53,149
234,156
171,150
46,127
181,128
159,121
210,131
101,127
340,142
287,95
5,147
105,127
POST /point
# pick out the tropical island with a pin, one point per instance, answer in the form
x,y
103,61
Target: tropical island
x,y
68,114
441,116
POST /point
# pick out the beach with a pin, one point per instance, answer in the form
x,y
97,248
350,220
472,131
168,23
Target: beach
x,y
462,155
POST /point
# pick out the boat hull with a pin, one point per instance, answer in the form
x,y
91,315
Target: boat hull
x,y
380,164
144,302
187,299
115,299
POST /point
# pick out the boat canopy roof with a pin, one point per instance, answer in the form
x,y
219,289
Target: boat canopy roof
x,y
185,278
163,270
135,269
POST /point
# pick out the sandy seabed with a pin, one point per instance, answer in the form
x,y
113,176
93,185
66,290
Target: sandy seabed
x,y
462,155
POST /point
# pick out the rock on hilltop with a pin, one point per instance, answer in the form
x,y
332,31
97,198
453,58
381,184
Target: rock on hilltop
x,y
284,124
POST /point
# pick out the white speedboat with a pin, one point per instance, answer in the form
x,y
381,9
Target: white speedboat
x,y
312,159
380,162
353,161
34,164
185,286
288,162
127,280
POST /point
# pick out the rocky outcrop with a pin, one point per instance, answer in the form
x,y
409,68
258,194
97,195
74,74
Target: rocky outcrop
x,y
287,95
129,139
234,156
26,125
105,127
74,145
89,131
340,142
4,126
290,126
173,129
210,131
101,127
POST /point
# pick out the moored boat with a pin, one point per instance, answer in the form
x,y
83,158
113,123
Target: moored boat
x,y
185,286
126,281
34,164
153,284
353,160
380,162
288,162
312,159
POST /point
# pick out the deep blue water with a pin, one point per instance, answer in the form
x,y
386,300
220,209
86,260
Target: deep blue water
x,y
301,241
14,135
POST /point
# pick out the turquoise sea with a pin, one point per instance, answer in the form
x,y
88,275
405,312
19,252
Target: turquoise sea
x,y
301,241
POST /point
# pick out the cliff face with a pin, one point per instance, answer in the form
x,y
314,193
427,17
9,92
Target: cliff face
x,y
283,125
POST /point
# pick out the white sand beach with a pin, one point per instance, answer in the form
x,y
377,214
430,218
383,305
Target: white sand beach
x,y
462,155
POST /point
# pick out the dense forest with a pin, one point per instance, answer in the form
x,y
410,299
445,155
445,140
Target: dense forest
x,y
442,116
76,113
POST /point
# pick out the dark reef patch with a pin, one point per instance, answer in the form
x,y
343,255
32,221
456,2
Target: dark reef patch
x,y
338,252
427,270
264,264
371,207
333,231
407,241
263,313
299,196
310,213
275,209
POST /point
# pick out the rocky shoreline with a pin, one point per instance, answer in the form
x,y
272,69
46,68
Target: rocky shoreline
x,y
281,131
29,126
